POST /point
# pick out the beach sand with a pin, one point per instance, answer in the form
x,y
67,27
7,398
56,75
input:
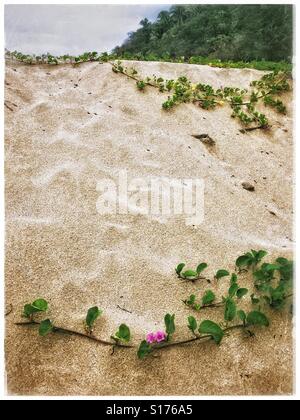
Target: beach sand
x,y
66,128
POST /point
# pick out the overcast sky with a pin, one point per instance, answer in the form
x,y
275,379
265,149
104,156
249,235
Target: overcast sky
x,y
73,29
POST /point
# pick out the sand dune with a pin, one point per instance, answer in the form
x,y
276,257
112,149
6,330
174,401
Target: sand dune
x,y
68,128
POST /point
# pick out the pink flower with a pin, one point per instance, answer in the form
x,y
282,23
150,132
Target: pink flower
x,y
150,338
160,336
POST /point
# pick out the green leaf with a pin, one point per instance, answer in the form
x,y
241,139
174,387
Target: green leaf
x,y
41,305
241,293
45,327
144,349
140,84
201,267
254,253
278,295
243,261
189,273
213,329
260,255
92,314
282,261
192,323
286,269
233,289
170,324
208,298
270,268
265,273
191,300
230,310
242,316
123,333
179,268
257,318
221,273
29,310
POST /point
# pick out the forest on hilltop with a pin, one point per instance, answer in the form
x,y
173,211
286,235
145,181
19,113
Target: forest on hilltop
x,y
226,32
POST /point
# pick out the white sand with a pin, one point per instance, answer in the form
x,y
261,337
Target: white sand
x,y
58,246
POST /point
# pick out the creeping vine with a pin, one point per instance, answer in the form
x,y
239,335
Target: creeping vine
x,y
105,57
243,102
273,284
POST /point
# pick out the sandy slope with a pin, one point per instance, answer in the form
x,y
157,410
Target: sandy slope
x,y
60,140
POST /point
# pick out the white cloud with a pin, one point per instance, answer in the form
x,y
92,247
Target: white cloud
x,y
73,29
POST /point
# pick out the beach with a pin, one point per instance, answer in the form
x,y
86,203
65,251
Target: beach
x,y
67,128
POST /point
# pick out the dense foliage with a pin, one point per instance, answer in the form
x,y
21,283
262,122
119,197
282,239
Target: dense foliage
x,y
226,32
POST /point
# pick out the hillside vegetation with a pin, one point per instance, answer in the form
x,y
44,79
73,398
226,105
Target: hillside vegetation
x,y
226,32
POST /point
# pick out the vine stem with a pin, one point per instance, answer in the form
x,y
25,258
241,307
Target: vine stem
x,y
198,338
9,311
213,305
194,279
116,344
263,127
7,106
207,306
131,76
78,333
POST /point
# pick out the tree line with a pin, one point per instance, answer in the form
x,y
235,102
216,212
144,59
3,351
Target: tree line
x,y
225,32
